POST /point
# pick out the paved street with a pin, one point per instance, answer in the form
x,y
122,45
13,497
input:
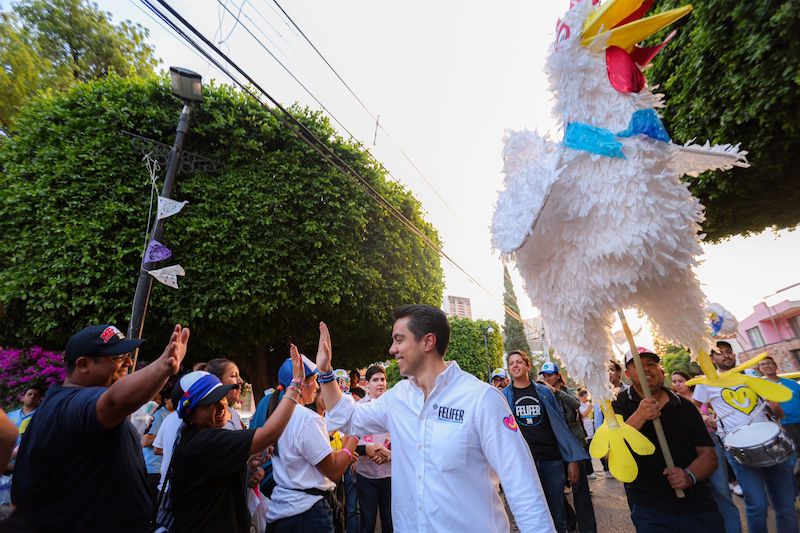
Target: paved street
x,y
611,507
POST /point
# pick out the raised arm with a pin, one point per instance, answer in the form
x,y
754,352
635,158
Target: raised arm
x,y
131,392
331,393
343,414
268,434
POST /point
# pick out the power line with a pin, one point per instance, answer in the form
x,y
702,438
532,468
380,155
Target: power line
x,y
299,129
362,104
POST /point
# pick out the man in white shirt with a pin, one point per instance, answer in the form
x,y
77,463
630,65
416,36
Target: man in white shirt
x,y
452,436
735,407
374,467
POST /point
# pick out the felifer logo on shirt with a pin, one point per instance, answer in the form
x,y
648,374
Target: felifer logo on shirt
x,y
111,332
449,414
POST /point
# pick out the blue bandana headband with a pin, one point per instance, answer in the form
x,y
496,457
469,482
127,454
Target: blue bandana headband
x,y
199,390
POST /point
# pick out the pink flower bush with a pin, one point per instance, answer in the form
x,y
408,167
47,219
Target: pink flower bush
x,y
21,368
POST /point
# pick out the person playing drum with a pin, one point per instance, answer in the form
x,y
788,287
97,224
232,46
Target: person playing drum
x,y
741,424
652,497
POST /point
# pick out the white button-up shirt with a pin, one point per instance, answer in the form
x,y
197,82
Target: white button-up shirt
x,y
447,453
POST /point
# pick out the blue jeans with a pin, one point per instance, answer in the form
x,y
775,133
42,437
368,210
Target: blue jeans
x,y
374,495
780,485
318,519
350,503
551,474
722,492
649,520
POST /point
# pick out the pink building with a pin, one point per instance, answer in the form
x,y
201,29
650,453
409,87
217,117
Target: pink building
x,y
775,329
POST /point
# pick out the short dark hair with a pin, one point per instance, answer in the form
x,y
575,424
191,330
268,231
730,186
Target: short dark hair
x,y
616,365
375,369
583,392
767,357
724,343
34,386
424,319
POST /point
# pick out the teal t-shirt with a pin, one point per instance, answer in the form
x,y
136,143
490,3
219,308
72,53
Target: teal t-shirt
x,y
791,409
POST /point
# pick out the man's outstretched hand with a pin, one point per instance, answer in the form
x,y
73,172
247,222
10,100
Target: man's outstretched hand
x,y
176,349
324,354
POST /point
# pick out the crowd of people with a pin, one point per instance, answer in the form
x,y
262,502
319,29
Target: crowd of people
x,y
329,450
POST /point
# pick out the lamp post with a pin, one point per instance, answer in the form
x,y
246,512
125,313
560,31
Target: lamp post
x,y
188,86
488,331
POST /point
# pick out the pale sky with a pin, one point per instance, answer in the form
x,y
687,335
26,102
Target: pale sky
x,y
447,78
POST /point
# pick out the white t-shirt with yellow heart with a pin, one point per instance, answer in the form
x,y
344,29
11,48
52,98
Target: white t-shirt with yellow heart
x,y
734,406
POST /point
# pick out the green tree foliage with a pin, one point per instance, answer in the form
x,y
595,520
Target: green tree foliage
x,y
393,376
468,349
733,75
514,329
272,243
677,358
51,44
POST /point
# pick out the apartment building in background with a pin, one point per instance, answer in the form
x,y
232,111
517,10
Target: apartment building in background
x,y
774,329
459,306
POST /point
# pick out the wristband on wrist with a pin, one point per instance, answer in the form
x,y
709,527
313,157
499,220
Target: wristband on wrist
x,y
348,452
290,398
694,479
326,377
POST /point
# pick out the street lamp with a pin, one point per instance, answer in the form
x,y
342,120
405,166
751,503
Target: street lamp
x,y
488,331
188,86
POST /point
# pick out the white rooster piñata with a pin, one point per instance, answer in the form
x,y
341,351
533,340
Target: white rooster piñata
x,y
602,221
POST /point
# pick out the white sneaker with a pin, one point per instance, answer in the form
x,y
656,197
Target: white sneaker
x,y
591,476
736,489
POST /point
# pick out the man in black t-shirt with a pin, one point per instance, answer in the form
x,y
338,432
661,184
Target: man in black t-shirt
x,y
80,466
651,496
542,424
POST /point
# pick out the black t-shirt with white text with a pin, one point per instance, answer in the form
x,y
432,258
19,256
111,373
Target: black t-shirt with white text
x,y
72,474
209,480
533,422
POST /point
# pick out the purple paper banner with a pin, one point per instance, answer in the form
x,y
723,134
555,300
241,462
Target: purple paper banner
x,y
156,252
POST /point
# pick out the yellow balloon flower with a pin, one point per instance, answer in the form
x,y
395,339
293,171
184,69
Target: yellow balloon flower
x,y
768,390
611,438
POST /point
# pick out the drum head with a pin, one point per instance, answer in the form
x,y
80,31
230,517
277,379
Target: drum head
x,y
752,434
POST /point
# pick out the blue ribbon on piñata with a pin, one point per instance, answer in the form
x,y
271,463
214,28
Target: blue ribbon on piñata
x,y
582,136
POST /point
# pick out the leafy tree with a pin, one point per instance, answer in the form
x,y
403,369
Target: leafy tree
x,y
51,44
468,349
393,376
677,358
272,243
733,75
514,329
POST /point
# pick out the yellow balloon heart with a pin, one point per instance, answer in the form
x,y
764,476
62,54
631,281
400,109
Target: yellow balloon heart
x,y
743,399
611,438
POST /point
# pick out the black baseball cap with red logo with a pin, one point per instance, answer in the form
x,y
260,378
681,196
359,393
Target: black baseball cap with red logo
x,y
104,339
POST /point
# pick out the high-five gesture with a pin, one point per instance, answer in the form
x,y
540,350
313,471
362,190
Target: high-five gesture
x,y
176,349
324,353
298,368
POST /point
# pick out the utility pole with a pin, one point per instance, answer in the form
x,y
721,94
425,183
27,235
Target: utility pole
x,y
187,85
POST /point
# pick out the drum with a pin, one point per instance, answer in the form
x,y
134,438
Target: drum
x,y
759,444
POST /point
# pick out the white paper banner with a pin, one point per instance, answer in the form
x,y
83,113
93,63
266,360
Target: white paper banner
x,y
168,275
168,207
